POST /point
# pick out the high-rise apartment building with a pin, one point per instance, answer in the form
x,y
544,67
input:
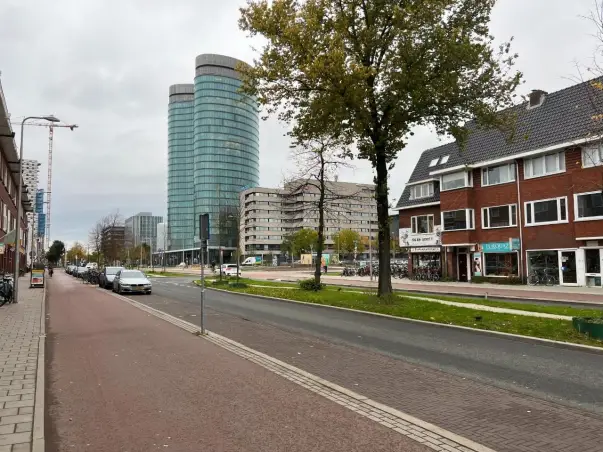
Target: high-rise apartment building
x,y
31,172
267,214
141,229
213,153
180,189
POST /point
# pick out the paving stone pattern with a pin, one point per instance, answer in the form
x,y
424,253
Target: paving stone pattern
x,y
19,338
433,438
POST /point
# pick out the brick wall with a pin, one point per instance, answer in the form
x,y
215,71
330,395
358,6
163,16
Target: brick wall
x,y
405,215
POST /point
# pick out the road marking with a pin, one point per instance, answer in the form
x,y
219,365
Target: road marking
x,y
429,435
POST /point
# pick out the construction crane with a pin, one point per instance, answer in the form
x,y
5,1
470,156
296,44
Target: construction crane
x,y
51,127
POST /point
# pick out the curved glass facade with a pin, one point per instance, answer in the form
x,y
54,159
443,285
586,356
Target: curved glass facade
x,y
180,189
226,148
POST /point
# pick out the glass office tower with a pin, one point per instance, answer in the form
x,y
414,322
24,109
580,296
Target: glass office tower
x,y
180,187
225,144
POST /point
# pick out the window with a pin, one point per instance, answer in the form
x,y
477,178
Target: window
x,y
498,174
544,164
499,217
422,224
455,220
501,264
589,206
456,180
592,156
444,159
547,211
421,190
434,162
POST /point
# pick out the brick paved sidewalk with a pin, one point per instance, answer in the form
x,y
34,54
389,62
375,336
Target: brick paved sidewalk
x,y
19,341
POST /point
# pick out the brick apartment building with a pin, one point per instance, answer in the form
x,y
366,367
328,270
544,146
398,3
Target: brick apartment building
x,y
530,206
9,167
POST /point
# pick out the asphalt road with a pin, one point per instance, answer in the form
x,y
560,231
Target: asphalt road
x,y
571,377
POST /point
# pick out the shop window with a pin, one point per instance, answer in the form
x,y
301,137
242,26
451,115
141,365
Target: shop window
x,y
422,224
501,264
592,261
421,190
455,220
589,206
453,181
498,174
546,211
499,217
543,266
544,165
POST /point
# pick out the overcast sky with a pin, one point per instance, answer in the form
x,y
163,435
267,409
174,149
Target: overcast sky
x,y
106,65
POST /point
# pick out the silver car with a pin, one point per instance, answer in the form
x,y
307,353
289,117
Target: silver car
x,y
131,281
107,275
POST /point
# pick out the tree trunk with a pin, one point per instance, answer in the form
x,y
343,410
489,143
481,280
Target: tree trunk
x,y
321,227
384,286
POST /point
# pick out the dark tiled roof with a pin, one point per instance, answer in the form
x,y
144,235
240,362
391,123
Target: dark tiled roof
x,y
564,116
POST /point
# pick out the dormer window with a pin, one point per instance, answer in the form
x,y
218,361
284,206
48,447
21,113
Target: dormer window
x,y
452,181
421,190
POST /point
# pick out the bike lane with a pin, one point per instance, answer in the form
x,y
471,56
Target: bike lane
x,y
119,379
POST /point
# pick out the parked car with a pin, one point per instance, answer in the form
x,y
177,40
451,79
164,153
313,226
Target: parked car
x,y
131,281
230,270
79,272
107,275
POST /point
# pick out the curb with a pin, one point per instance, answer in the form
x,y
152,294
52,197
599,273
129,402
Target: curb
x,y
38,440
389,417
516,337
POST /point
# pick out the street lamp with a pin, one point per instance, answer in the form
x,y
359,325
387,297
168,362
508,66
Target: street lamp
x,y
49,118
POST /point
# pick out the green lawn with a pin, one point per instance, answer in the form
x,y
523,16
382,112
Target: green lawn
x,y
401,306
169,274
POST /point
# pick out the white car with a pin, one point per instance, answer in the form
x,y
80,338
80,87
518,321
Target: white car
x,y
131,281
230,270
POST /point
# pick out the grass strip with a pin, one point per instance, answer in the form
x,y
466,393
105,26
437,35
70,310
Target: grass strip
x,y
399,306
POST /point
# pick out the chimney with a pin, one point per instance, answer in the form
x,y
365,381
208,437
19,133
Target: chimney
x,y
537,97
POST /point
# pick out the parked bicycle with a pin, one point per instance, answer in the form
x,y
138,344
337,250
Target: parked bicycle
x,y
543,277
6,290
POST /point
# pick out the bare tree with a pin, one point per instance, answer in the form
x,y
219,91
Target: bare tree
x,y
103,240
318,161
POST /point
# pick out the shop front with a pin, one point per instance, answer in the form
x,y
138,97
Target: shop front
x,y
497,259
425,252
566,267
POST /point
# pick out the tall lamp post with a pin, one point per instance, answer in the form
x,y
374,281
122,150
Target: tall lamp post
x,y
49,118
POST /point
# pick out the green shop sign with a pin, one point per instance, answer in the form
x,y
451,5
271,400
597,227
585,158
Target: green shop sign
x,y
501,247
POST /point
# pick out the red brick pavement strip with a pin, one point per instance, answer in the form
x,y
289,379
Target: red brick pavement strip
x,y
121,380
500,419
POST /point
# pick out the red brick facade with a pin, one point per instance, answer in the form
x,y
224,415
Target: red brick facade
x,y
573,180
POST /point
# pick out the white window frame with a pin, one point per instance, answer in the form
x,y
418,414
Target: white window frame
x,y
511,219
430,191
444,159
528,162
510,169
413,220
530,205
589,163
468,180
434,162
469,220
576,218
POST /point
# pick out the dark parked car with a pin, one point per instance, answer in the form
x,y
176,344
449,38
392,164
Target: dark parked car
x,y
107,276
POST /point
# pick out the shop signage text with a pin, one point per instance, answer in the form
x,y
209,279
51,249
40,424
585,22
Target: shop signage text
x,y
426,249
408,239
501,247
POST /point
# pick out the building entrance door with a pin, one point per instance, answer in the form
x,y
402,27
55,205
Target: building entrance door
x,y
567,267
463,267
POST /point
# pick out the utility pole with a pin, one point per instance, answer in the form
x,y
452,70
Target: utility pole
x,y
371,248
